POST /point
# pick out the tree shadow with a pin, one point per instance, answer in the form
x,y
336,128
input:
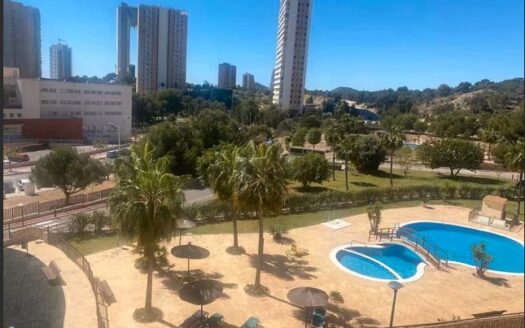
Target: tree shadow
x,y
284,241
363,184
310,189
284,268
471,179
498,281
385,174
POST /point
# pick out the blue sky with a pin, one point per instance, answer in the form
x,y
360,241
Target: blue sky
x,y
364,44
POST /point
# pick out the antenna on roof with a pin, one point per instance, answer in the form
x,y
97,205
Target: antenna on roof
x,y
60,40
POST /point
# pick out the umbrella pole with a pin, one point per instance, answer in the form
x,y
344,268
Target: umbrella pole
x,y
202,314
188,275
180,237
306,318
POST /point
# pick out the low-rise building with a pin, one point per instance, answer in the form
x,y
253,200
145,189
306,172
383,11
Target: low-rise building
x,y
105,109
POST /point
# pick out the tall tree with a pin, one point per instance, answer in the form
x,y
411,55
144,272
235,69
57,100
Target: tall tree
x,y
344,151
314,136
67,170
260,183
220,176
145,204
456,154
392,140
332,136
515,160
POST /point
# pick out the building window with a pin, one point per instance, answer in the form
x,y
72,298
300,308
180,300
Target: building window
x,y
18,115
86,92
43,101
11,115
43,89
52,90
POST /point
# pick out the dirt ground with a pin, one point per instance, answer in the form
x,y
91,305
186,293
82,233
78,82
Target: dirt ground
x,y
52,194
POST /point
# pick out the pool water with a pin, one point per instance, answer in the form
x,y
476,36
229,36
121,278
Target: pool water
x,y
457,240
384,262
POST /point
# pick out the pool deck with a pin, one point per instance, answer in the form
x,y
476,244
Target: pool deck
x,y
438,294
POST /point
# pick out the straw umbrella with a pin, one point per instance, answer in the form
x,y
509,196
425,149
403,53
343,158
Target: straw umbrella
x,y
201,292
308,297
190,251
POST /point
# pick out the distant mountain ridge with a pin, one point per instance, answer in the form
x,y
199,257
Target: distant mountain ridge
x,y
484,95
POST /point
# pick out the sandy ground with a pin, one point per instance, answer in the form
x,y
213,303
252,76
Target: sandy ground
x,y
52,194
438,294
80,306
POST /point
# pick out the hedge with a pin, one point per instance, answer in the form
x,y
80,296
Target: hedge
x,y
300,203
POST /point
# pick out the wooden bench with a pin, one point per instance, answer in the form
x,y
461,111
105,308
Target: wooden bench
x,y
488,314
52,273
106,292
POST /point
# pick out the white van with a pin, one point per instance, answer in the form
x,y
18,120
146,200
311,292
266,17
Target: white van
x,y
22,183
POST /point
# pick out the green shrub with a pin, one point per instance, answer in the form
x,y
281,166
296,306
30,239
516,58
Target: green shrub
x,y
278,231
79,222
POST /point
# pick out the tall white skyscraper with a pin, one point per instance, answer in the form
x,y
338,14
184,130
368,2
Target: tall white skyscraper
x,y
60,61
162,44
292,54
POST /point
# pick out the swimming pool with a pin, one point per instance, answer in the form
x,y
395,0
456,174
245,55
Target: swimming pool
x,y
382,262
456,241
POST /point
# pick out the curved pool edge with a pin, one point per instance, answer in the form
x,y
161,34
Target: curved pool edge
x,y
420,269
504,273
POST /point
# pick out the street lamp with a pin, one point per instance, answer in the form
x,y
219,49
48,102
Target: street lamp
x,y
395,285
118,130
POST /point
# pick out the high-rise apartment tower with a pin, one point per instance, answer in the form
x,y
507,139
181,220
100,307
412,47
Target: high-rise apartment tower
x,y
292,54
162,44
60,61
248,81
22,39
227,76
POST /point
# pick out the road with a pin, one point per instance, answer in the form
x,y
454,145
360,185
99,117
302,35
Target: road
x,y
192,196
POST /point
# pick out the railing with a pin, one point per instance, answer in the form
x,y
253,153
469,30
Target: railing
x,y
31,209
33,233
408,236
512,320
76,256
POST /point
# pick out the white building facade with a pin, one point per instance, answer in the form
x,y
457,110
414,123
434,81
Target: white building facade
x,y
292,54
105,109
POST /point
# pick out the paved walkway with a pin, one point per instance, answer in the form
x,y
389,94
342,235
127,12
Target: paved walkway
x,y
29,299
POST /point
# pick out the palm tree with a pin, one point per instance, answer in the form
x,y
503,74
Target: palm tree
x,y
260,183
490,137
220,176
332,137
392,140
515,160
344,151
145,204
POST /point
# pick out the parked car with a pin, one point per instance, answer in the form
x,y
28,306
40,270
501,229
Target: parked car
x,y
19,158
112,154
21,184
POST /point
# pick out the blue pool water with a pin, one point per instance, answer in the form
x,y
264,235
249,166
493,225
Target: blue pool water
x,y
396,258
456,241
410,145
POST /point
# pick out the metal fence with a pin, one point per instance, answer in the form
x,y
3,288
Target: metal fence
x,y
28,210
513,320
76,256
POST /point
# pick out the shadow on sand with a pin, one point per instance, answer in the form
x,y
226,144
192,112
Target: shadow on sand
x,y
282,267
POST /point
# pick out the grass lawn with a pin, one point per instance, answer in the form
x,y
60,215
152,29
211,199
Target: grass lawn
x,y
90,245
358,181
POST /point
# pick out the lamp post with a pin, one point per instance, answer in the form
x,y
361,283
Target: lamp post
x,y
395,285
118,130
